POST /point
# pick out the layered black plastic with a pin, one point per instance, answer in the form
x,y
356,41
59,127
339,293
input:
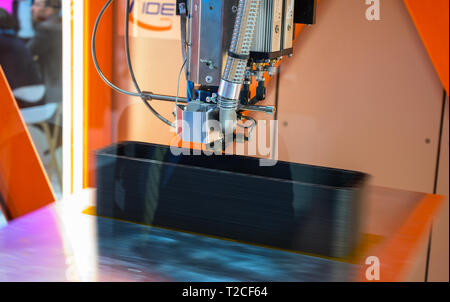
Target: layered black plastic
x,y
290,206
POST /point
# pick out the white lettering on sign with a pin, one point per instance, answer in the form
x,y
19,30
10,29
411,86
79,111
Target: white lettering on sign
x,y
154,19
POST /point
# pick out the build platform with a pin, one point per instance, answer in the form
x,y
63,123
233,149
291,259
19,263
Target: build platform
x,y
67,242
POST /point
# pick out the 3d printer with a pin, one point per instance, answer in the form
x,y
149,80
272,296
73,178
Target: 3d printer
x,y
225,45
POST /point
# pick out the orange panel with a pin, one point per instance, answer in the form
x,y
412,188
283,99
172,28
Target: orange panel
x,y
23,182
432,23
97,95
406,240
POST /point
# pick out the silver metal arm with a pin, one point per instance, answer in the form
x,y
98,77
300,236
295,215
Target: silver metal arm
x,y
237,61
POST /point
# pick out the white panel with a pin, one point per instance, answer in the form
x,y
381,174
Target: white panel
x,y
78,96
67,100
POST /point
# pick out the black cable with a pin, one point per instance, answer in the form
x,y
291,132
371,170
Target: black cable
x,y
441,130
127,48
248,118
131,71
140,94
94,54
436,179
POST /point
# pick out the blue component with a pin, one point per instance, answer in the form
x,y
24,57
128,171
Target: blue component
x,y
203,95
190,88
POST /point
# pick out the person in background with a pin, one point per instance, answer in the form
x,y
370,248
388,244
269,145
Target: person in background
x,y
21,11
46,45
7,5
15,58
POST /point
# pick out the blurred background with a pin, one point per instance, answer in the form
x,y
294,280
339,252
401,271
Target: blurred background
x,y
31,57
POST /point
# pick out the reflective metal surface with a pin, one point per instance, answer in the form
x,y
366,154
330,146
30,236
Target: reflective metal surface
x,y
290,206
195,120
210,28
59,243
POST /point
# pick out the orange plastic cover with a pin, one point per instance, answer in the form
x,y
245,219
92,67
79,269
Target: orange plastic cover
x,y
431,20
23,182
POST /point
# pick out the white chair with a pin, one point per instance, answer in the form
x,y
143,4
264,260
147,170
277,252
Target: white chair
x,y
42,115
30,94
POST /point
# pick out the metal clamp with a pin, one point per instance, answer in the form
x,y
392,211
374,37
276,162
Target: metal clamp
x,y
229,90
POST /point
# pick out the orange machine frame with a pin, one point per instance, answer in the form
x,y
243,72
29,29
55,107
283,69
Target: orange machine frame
x,y
23,182
432,23
97,95
430,18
